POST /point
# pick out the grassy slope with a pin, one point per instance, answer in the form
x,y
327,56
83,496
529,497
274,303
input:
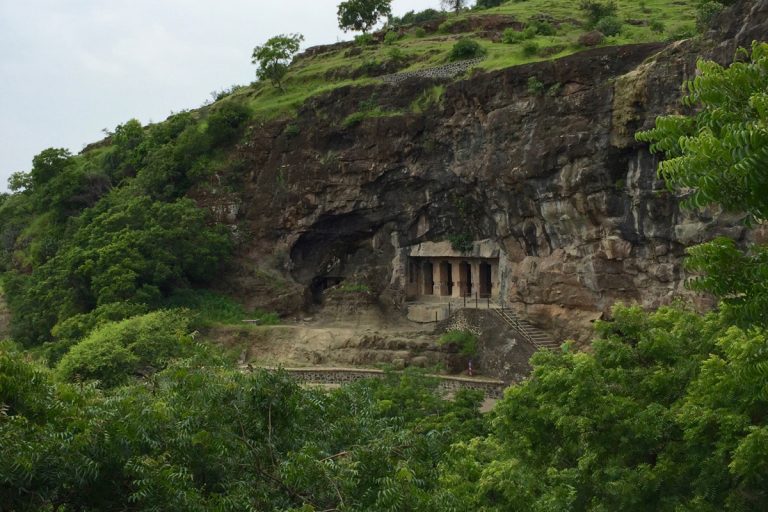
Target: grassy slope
x,y
312,75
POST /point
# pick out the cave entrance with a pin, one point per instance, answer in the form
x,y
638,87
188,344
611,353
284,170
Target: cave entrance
x,y
486,283
320,284
446,279
427,271
437,270
465,279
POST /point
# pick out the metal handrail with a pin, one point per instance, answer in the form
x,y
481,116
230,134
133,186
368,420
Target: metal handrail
x,y
515,324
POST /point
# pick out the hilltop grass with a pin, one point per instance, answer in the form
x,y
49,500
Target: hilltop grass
x,y
312,75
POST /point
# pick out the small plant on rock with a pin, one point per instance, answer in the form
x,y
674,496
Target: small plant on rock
x,y
465,341
535,86
462,242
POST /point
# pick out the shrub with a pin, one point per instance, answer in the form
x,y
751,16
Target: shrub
x,y
396,56
207,308
543,28
466,48
466,341
706,13
413,18
461,242
370,67
596,10
487,4
684,32
554,89
610,25
445,27
657,26
420,32
535,86
511,36
391,37
354,288
530,48
428,99
115,351
364,40
225,122
292,130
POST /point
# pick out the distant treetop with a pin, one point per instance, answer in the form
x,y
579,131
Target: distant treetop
x,y
274,56
362,15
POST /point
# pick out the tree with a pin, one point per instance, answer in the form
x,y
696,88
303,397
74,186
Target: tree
x,y
361,15
274,56
718,155
454,5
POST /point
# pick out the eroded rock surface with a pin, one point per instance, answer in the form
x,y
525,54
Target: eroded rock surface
x,y
555,179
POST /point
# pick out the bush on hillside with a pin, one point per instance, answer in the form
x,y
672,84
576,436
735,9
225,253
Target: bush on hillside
x,y
609,26
225,122
487,4
595,10
116,351
465,341
657,26
512,36
706,13
414,18
466,48
391,37
543,28
530,48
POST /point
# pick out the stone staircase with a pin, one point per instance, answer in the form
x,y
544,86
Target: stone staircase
x,y
531,334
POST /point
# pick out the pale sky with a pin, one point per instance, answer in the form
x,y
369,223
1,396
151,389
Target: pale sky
x,y
70,68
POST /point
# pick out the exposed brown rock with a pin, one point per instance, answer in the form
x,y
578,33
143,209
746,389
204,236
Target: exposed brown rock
x,y
592,38
558,182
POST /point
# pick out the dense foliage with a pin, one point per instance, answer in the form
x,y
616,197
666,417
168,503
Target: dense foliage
x,y
108,234
200,436
669,413
718,156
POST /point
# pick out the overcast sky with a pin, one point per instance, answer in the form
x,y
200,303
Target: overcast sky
x,y
70,68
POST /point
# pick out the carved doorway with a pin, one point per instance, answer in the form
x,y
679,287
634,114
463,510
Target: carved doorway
x,y
465,279
429,283
486,284
446,278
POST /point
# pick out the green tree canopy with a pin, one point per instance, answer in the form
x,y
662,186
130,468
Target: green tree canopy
x,y
128,249
362,15
718,155
274,56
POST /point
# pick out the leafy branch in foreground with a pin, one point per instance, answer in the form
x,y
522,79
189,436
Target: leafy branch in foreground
x,y
718,155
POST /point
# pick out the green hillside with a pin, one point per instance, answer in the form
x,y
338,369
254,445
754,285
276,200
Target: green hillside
x,y
560,23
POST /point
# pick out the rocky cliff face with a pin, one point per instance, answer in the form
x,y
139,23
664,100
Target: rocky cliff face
x,y
554,177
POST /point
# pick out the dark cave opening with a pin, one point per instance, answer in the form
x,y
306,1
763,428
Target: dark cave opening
x,y
321,283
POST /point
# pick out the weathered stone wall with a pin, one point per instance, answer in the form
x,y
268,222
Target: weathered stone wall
x,y
339,376
437,73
